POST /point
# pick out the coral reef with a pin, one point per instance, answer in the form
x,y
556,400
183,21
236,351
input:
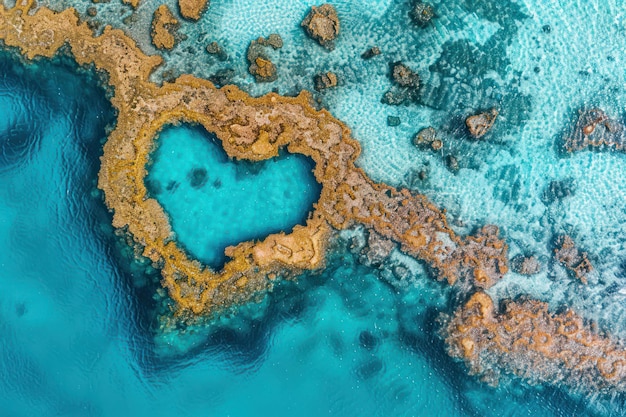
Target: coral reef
x,y
192,9
575,260
595,129
164,26
481,123
325,80
527,340
248,128
428,138
261,66
322,24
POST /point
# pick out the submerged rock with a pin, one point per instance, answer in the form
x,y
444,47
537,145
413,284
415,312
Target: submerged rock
x,y
452,163
407,84
164,27
525,265
325,80
422,13
481,123
558,190
595,129
215,49
428,138
261,66
322,24
393,121
377,249
575,260
404,76
222,77
371,53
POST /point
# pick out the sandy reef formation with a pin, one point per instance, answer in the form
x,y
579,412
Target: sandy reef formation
x,y
164,26
253,129
192,9
527,340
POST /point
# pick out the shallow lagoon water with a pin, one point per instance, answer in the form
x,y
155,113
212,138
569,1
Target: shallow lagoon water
x,y
214,202
77,317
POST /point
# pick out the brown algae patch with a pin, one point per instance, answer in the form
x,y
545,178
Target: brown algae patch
x,y
253,129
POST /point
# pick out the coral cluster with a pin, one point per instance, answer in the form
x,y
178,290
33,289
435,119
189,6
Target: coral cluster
x,y
529,341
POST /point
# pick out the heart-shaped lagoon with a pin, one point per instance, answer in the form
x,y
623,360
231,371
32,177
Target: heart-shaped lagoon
x,y
214,202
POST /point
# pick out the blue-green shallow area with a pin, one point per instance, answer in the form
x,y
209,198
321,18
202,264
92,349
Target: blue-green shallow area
x,y
77,317
214,202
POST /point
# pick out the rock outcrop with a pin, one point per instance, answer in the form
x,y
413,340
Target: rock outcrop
x,y
192,9
164,26
422,13
428,138
406,85
261,66
481,123
325,80
322,24
248,128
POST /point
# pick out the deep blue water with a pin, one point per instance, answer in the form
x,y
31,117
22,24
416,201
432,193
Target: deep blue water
x,y
214,202
78,317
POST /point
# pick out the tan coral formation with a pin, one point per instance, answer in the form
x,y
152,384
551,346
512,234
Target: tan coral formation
x,y
192,9
134,3
481,123
253,129
164,26
322,24
527,340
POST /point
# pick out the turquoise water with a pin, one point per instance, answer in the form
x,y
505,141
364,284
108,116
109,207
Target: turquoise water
x,y
214,202
79,335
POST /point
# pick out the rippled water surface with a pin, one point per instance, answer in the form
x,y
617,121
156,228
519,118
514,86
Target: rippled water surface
x,y
78,316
